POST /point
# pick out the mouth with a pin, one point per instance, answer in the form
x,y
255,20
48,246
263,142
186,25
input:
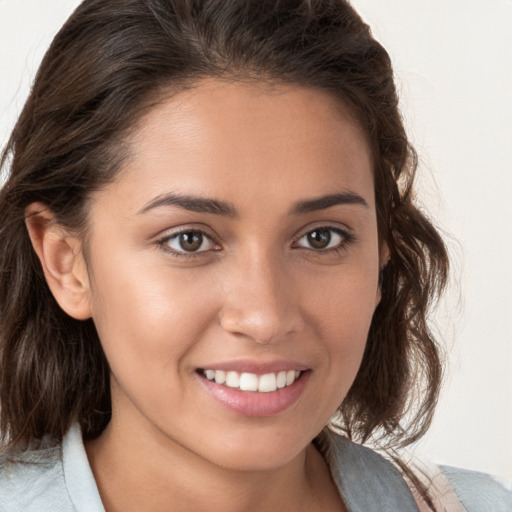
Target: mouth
x,y
246,381
253,394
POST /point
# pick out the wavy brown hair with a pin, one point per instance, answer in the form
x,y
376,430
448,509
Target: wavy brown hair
x,y
114,59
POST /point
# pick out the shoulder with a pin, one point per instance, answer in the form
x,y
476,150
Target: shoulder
x,y
460,490
368,481
33,481
479,492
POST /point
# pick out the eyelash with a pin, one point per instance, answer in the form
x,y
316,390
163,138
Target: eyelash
x,y
346,236
346,239
163,243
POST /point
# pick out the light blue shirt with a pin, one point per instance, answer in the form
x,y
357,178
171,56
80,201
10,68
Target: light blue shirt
x,y
59,479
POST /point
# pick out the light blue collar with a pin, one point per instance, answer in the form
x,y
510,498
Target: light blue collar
x,y
80,482
365,480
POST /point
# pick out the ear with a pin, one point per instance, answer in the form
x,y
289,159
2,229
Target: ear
x,y
62,260
384,255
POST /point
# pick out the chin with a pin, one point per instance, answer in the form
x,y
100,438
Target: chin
x,y
258,453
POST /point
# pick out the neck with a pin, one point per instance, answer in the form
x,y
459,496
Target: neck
x,y
150,472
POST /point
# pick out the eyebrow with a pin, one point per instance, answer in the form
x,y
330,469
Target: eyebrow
x,y
193,204
216,207
324,202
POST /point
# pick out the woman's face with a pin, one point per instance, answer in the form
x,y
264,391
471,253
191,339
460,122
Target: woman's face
x,y
239,242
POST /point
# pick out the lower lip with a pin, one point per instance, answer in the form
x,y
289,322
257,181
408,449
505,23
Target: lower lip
x,y
252,403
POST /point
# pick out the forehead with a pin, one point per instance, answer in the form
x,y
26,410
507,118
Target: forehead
x,y
223,139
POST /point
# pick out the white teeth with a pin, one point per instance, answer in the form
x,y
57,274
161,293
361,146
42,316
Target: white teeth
x,y
220,376
249,382
232,379
266,383
281,380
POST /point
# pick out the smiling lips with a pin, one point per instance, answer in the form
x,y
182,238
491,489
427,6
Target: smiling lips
x,y
258,391
267,383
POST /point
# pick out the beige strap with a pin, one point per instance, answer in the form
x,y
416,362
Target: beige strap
x,y
442,493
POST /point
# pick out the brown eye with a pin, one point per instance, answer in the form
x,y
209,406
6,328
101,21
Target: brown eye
x,y
325,238
319,239
189,242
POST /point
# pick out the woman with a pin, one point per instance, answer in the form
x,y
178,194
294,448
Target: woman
x,y
210,252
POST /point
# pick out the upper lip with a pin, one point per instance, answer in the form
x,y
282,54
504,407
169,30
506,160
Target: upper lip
x,y
257,367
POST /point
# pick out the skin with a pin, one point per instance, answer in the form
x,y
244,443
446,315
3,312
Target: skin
x,y
259,291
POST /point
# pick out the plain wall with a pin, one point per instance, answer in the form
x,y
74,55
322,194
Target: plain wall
x,y
453,62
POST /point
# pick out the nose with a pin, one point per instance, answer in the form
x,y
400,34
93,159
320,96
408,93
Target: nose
x,y
261,302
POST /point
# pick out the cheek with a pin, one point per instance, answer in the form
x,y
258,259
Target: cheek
x,y
343,300
147,320
344,313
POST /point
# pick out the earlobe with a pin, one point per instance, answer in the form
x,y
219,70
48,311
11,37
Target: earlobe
x,y
62,261
384,254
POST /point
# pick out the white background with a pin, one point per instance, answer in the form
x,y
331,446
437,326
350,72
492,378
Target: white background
x,y
453,61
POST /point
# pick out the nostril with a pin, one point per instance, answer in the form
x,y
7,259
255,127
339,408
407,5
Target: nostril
x,y
260,305
260,326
